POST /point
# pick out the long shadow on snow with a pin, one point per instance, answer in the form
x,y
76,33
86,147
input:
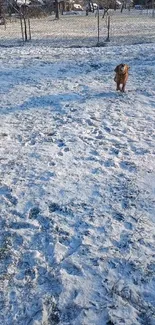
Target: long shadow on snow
x,y
67,41
57,101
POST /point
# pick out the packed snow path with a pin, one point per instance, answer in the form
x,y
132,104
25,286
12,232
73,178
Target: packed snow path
x,y
77,187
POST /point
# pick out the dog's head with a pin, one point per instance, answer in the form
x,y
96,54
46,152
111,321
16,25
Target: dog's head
x,y
122,68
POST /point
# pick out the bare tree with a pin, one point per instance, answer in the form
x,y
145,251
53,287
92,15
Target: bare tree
x,y
24,20
2,13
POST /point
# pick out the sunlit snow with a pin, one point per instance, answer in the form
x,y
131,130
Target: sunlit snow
x,y
77,181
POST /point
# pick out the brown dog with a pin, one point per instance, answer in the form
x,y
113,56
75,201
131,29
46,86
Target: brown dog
x,y
121,76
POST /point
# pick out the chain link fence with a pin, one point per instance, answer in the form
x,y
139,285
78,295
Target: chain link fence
x,y
77,29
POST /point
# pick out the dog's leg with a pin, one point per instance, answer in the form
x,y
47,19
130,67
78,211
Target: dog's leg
x,y
123,88
118,86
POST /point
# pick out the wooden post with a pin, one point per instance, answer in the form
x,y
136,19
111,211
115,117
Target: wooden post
x,y
152,8
25,28
21,24
106,21
108,27
29,28
108,38
98,26
25,23
56,9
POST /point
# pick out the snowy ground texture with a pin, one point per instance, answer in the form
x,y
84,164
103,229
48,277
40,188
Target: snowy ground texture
x,y
77,185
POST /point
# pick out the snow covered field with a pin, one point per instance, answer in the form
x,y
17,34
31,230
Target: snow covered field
x,y
77,181
79,30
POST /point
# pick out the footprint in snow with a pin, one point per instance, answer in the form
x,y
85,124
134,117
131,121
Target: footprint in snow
x,y
17,240
94,153
139,151
22,225
118,216
33,213
89,122
60,143
5,191
55,207
109,163
114,151
107,129
129,166
74,246
72,268
11,199
70,313
64,240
